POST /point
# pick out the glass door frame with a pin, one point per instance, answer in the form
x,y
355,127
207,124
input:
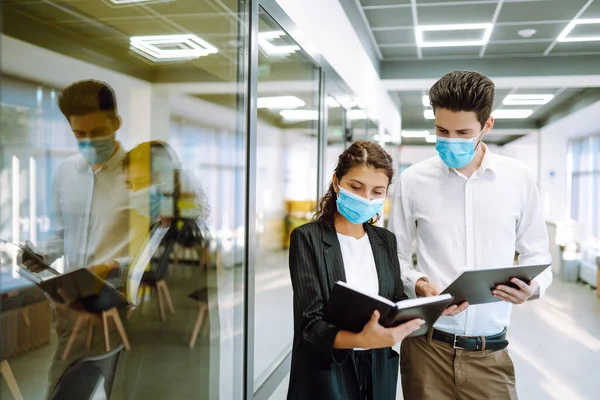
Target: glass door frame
x,y
328,80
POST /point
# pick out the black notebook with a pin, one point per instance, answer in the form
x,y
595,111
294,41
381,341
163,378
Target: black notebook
x,y
476,285
349,309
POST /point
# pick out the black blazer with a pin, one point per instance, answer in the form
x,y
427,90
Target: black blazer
x,y
318,370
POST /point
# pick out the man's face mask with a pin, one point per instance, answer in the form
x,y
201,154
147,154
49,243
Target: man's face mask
x,y
457,153
97,150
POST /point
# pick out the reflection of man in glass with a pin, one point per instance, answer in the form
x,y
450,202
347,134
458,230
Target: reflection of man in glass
x,y
90,204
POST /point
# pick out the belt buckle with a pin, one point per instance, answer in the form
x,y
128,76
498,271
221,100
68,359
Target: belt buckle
x,y
454,345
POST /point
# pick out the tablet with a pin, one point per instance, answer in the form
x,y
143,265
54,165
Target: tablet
x,y
84,284
475,286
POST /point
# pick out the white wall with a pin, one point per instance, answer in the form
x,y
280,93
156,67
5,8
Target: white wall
x,y
526,150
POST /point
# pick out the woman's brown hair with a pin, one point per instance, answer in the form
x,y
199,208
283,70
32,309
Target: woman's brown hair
x,y
361,153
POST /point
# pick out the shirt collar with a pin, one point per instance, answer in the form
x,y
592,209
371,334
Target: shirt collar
x,y
113,162
488,163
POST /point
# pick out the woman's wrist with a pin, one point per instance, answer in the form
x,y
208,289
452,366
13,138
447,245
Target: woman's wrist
x,y
349,340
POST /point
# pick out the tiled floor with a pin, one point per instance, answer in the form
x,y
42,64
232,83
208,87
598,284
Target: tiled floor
x,y
555,344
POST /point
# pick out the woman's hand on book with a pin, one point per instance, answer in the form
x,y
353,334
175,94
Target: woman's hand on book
x,y
375,336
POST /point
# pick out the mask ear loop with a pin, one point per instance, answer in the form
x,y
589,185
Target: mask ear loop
x,y
480,140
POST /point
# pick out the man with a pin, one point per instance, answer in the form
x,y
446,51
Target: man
x,y
466,208
91,212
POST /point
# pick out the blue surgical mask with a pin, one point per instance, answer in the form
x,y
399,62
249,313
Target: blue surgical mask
x,y
147,201
357,209
457,153
97,150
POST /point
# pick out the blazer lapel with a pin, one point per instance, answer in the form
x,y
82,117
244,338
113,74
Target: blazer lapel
x,y
382,263
334,262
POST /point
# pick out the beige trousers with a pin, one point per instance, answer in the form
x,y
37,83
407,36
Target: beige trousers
x,y
434,370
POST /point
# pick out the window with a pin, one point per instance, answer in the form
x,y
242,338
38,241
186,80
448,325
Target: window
x,y
584,174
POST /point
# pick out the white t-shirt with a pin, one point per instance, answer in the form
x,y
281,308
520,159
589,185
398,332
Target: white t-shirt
x,y
359,263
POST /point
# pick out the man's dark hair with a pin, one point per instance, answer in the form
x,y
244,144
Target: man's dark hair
x,y
464,91
86,97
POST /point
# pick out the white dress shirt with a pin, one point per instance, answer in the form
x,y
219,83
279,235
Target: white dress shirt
x,y
462,223
91,217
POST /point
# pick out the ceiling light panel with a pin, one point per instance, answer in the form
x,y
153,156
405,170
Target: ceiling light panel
x,y
527,99
563,37
265,42
332,103
280,102
166,48
428,114
431,139
299,115
511,114
486,28
426,102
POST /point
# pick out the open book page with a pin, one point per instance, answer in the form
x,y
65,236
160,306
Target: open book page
x,y
421,301
373,296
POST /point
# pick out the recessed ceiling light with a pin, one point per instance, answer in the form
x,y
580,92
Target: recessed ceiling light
x,y
563,35
511,114
426,101
428,114
376,138
526,33
415,134
487,28
264,41
171,47
299,115
431,138
280,102
527,99
332,103
355,115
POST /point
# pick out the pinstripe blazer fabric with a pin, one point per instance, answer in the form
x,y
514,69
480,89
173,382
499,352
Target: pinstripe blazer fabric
x,y
318,370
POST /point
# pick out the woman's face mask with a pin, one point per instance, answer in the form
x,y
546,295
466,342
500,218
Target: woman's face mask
x,y
147,201
356,209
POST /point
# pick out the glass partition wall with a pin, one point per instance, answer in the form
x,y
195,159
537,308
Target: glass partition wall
x,y
177,139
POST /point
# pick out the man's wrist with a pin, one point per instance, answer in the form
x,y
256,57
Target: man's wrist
x,y
536,294
420,286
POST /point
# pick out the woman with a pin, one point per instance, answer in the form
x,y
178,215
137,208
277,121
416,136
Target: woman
x,y
344,245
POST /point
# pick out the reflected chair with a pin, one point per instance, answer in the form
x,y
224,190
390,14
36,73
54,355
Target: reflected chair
x,y
82,379
91,309
155,279
201,296
11,382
